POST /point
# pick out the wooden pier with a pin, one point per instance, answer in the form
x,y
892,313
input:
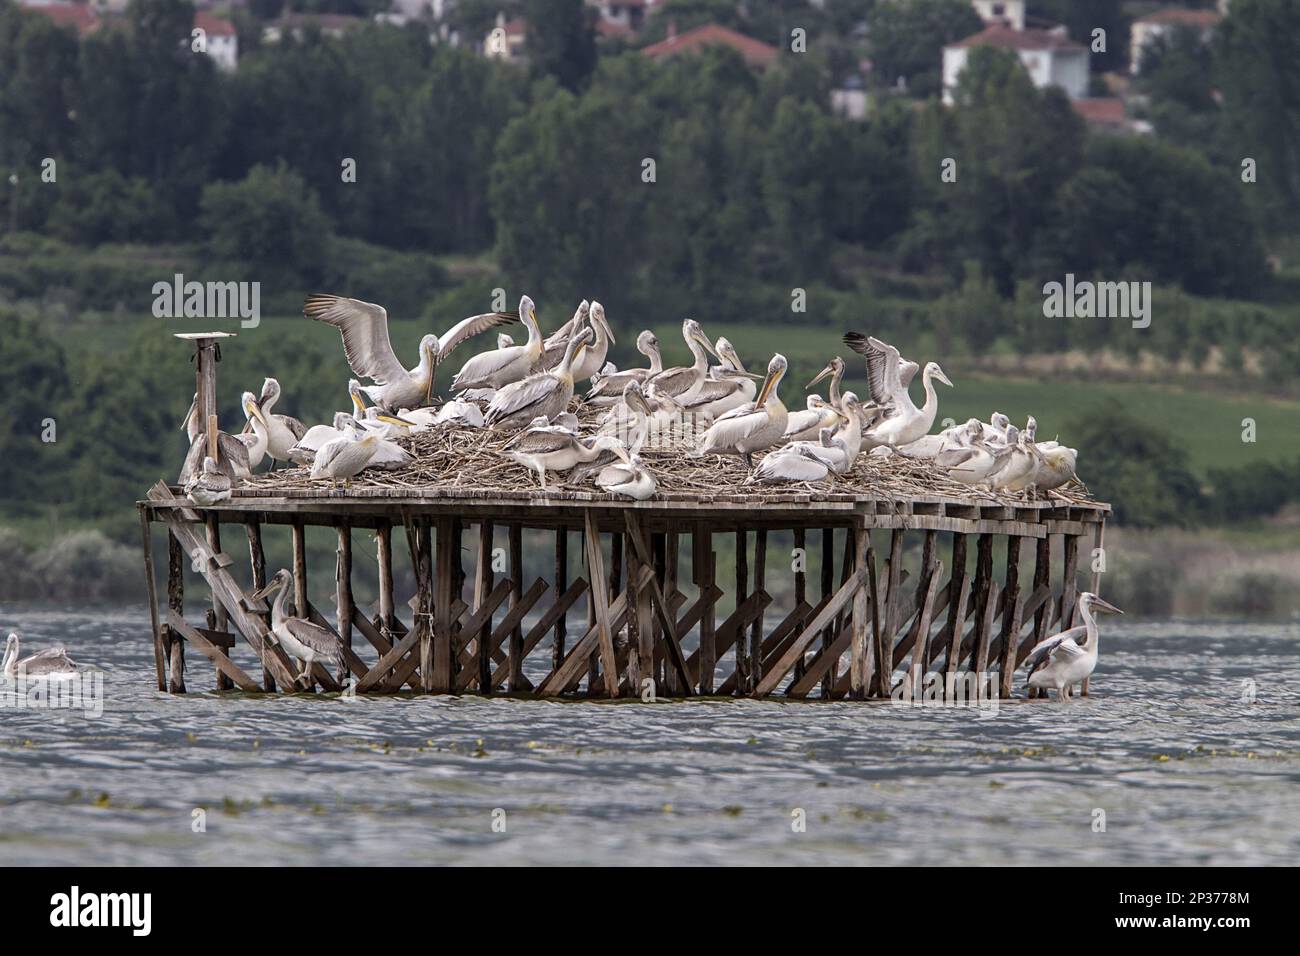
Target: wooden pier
x,y
882,612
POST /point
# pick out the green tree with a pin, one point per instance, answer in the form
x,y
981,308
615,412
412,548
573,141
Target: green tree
x,y
561,40
908,36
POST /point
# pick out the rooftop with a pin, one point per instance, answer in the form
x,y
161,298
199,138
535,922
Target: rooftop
x,y
1006,38
756,52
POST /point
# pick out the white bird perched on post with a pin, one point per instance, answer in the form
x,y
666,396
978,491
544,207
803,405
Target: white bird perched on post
x,y
302,640
364,329
1062,661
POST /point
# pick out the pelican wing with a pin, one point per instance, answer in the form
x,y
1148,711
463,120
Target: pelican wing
x,y
672,381
519,395
790,466
714,390
49,661
735,426
466,328
364,328
319,639
543,441
294,425
1064,643
877,365
479,369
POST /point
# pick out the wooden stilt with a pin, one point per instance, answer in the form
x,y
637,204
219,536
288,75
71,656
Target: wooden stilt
x,y
257,561
482,588
1099,550
955,627
561,585
343,591
800,582
443,580
743,684
828,587
151,591
986,591
858,673
176,604
702,572
920,645
1010,618
517,683
601,605
756,630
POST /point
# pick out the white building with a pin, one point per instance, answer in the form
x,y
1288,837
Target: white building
x,y
221,38
1050,56
1148,28
1009,13
505,41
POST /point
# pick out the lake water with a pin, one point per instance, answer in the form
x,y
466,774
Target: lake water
x,y
1183,768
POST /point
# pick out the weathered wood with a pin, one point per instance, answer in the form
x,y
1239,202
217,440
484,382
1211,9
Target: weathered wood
x,y
742,586
702,574
1042,579
570,669
257,561
800,558
773,677
731,631
343,587
482,588
921,642
600,604
1011,617
858,673
1098,562
444,594
828,588
756,629
175,603
671,636
384,556
212,652
984,629
539,629
516,593
151,592
1069,581
561,586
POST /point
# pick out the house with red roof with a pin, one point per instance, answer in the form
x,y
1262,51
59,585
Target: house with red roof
x,y
756,53
81,17
220,38
1050,57
1146,29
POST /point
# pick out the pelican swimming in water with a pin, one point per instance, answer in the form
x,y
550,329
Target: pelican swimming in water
x,y
683,383
546,449
282,431
807,423
903,423
608,389
541,394
52,663
502,366
754,426
302,640
210,486
1062,661
364,329
727,386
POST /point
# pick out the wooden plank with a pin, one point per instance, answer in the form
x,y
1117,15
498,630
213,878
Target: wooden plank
x,y
490,648
343,587
800,580
600,602
482,588
1011,617
384,556
742,586
151,591
828,589
858,673
776,643
702,575
561,586
756,629
732,630
773,678
922,641
570,670
671,636
257,560
175,602
444,594
516,593
1099,548
984,627
544,624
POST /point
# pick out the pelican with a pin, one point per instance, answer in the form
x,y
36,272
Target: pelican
x,y
807,423
364,329
593,356
302,640
996,429
504,365
631,479
931,446
1057,465
546,449
888,373
52,663
342,458
753,426
376,419
728,385
1019,463
608,388
904,423
805,460
232,454
630,421
683,383
543,393
1061,661
209,486
553,347
505,340
282,431
305,450
971,465
835,369
460,414
258,438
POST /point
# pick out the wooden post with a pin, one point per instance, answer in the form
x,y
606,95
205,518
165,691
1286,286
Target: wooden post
x,y
516,593
858,642
561,585
702,572
151,590
600,605
961,582
756,631
175,602
257,561
742,586
800,583
893,605
343,592
483,579
1042,579
985,605
1010,618
666,546
300,584
1069,581
1099,544
221,620
828,588
441,576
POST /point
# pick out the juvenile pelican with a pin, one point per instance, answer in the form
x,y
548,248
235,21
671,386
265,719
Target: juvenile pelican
x,y
302,640
835,369
609,388
971,465
683,383
282,431
1062,661
631,479
305,450
209,486
888,373
460,414
553,347
805,460
1019,464
342,458
364,329
904,423
931,446
1057,466
504,365
593,356
543,393
546,449
753,426
52,663
807,423
256,440
232,457
727,386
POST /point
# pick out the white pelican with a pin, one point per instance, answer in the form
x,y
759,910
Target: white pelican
x,y
459,413
727,386
342,458
258,438
631,479
52,663
1062,661
503,365
1057,466
753,426
232,454
807,423
805,460
305,450
543,393
996,428
301,640
609,388
931,446
209,486
546,449
888,373
973,464
553,347
835,369
904,423
1018,463
505,340
282,431
364,329
593,356
683,383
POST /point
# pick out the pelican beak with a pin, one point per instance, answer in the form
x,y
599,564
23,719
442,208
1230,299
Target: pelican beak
x,y
267,591
1101,605
828,370
357,403
708,346
394,420
604,324
768,383
943,378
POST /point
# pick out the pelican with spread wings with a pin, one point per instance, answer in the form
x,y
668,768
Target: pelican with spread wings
x,y
364,328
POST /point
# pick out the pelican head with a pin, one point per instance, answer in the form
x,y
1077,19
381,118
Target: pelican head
x,y
1013,435
1091,602
634,398
504,341
1031,428
598,316
725,351
816,403
577,345
999,421
358,402
693,333
248,401
528,314
11,652
611,443
270,392
974,430
281,580
775,372
834,367
345,422
647,343
932,369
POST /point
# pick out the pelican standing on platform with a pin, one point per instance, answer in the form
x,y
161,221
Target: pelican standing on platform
x,y
1062,661
210,486
500,367
549,448
364,328
683,383
807,423
302,640
282,431
753,426
904,423
52,663
727,386
608,389
542,394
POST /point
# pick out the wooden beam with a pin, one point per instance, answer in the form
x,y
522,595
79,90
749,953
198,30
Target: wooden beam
x,y
444,594
175,602
482,588
921,642
1011,617
516,594
561,586
570,670
151,591
671,636
773,678
743,684
257,560
600,602
544,624
800,581
858,673
756,630
702,575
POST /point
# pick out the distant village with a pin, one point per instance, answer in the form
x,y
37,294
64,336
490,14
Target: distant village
x,y
1050,55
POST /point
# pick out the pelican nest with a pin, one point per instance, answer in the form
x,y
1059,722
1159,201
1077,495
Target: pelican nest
x,y
470,460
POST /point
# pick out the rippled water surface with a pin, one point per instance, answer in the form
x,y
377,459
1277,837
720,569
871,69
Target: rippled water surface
x,y
1185,770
